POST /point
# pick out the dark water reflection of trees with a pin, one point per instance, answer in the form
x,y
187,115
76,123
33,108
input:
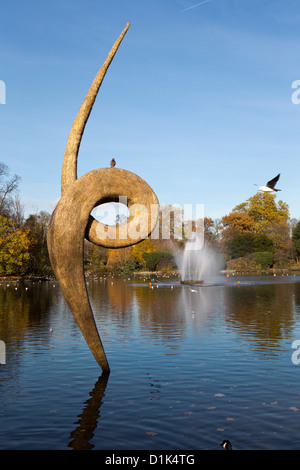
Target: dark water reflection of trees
x,y
23,305
267,311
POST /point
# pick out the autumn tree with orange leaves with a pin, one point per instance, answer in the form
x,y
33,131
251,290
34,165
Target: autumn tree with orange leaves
x,y
259,218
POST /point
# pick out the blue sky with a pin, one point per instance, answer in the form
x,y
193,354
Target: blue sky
x,y
197,100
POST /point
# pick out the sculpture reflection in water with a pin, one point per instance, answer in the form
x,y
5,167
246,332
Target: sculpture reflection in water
x,y
71,220
82,435
170,328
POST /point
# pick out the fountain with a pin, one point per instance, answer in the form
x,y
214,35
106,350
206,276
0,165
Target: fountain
x,y
197,262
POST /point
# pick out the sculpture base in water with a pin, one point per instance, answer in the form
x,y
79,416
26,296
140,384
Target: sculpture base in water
x,y
194,283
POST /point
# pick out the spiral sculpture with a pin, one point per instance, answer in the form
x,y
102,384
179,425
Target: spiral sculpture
x,y
71,221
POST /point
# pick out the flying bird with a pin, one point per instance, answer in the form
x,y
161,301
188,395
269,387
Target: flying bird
x,y
270,186
112,163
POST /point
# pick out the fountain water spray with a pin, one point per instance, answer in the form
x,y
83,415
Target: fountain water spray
x,y
197,262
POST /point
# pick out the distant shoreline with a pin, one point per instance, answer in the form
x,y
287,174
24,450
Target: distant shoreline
x,y
173,273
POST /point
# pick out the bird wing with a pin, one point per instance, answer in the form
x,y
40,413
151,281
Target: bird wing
x,y
271,183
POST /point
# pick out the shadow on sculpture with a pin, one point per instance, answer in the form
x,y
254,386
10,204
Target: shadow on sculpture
x,y
71,221
82,435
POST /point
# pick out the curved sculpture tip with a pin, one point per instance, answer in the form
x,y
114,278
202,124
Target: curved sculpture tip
x,y
69,169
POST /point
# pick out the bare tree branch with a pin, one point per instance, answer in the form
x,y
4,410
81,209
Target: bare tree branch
x,y
8,190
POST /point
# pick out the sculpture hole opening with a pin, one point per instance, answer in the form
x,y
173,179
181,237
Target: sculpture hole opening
x,y
111,213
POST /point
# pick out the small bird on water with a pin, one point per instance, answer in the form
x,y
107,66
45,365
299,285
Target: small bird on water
x,y
112,163
226,444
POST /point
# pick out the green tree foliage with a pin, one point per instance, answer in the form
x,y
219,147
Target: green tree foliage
x,y
296,237
37,224
151,259
166,262
258,225
264,258
263,243
240,245
244,243
159,260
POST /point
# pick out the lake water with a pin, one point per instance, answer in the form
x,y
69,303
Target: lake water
x,y
188,369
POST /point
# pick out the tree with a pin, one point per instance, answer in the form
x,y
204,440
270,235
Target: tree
x,y
16,244
238,222
152,259
159,260
267,220
146,246
38,224
240,245
166,262
211,231
8,189
170,224
117,258
264,258
296,237
263,243
16,210
233,227
263,210
95,257
244,243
